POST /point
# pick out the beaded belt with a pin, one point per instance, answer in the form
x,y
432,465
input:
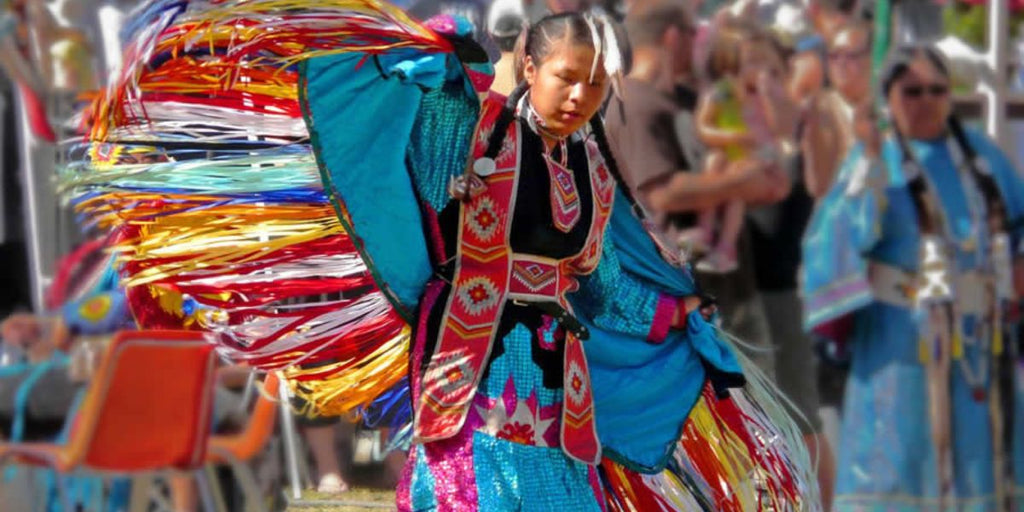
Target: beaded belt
x,y
536,281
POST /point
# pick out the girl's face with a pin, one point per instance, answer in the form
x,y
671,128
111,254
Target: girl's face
x,y
920,100
561,90
756,58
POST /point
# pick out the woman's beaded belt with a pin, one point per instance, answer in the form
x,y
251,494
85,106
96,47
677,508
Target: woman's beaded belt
x,y
892,285
899,287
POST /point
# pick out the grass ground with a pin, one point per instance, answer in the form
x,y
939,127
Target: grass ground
x,y
357,499
371,491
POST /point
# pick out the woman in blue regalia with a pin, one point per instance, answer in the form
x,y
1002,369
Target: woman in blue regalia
x,y
910,260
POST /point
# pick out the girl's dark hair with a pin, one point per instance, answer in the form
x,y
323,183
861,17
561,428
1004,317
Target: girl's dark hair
x,y
897,65
538,39
568,27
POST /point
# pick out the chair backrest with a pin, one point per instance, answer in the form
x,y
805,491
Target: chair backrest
x,y
251,441
149,404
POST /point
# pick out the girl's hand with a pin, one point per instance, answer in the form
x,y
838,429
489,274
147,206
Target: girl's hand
x,y
706,305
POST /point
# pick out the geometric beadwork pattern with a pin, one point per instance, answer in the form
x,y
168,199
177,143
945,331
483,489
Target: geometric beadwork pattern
x,y
483,220
452,373
480,282
575,384
478,294
534,277
565,200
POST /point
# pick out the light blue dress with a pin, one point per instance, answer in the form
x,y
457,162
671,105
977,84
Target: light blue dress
x,y
887,461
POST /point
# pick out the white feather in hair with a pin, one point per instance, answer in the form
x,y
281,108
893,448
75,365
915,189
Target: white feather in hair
x,y
596,37
612,56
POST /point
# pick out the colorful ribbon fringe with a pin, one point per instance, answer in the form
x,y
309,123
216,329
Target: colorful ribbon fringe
x,y
731,458
734,455
198,164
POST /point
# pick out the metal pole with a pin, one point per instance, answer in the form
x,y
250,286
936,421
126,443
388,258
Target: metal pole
x,y
3,211
996,58
291,442
30,167
996,126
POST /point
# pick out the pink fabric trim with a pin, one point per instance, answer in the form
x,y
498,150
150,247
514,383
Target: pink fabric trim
x,y
430,296
433,226
595,485
403,493
451,462
662,322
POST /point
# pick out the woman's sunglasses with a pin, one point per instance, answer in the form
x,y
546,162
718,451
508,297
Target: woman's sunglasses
x,y
916,91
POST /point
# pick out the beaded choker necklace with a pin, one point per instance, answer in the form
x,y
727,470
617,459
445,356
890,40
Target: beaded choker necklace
x,y
565,200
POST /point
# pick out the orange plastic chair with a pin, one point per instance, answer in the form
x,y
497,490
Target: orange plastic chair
x,y
239,449
148,408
